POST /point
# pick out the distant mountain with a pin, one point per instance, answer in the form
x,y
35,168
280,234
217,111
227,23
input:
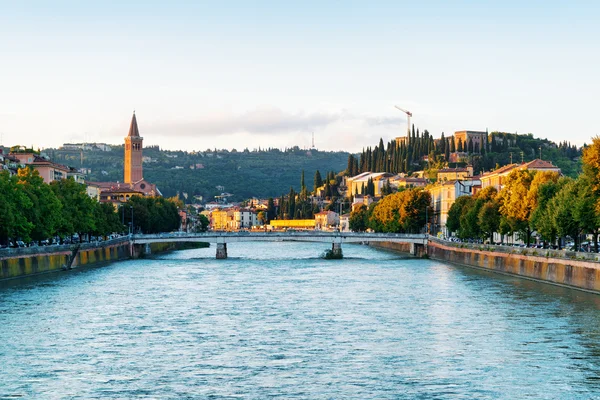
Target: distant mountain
x,y
259,173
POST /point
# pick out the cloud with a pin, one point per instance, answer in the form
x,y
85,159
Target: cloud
x,y
263,121
385,121
266,120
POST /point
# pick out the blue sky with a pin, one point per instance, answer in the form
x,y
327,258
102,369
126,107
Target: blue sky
x,y
267,74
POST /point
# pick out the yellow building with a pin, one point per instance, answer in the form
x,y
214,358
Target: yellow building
x,y
498,177
292,223
220,219
443,195
449,174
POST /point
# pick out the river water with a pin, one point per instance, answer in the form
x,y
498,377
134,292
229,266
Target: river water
x,y
274,320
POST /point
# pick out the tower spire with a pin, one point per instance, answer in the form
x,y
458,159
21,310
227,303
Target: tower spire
x,y
133,128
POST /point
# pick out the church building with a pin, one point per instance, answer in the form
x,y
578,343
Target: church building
x,y
133,180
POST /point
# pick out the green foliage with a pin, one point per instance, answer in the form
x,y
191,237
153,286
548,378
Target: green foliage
x,y
401,212
203,223
152,214
359,219
245,174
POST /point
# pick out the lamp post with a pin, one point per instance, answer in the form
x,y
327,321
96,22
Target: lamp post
x,y
132,226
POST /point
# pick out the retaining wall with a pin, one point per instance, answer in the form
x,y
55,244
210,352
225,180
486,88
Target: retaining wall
x,y
566,271
17,263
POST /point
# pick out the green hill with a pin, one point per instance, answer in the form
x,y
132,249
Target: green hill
x,y
258,173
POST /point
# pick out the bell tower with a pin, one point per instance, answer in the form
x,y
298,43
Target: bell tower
x,y
133,153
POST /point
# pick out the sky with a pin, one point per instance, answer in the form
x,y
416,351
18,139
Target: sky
x,y
203,75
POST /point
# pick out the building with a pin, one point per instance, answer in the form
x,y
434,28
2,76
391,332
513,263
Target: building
x,y
363,200
133,153
118,196
244,218
133,169
357,184
325,220
48,170
498,177
345,223
408,182
478,139
282,224
449,174
219,219
443,195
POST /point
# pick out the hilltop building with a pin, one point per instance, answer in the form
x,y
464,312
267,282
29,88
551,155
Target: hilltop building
x,y
478,139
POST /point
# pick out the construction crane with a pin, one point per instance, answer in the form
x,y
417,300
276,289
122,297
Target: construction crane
x,y
408,115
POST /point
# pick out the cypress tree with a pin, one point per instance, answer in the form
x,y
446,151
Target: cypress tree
x,y
318,181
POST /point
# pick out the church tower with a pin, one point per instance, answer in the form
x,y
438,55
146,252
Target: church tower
x,y
133,153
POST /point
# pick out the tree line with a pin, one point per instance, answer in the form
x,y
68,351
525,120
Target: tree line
x,y
31,210
422,151
554,206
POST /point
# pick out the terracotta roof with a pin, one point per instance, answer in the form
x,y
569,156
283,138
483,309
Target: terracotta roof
x,y
121,190
537,163
445,170
133,128
501,170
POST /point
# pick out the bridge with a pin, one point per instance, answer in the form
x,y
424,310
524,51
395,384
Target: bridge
x,y
335,238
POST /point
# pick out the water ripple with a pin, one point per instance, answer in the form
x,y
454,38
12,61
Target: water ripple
x,y
274,320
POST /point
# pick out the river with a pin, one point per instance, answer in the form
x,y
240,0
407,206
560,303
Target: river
x,y
275,320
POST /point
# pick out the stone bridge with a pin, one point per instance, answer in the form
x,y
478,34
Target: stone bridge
x,y
335,238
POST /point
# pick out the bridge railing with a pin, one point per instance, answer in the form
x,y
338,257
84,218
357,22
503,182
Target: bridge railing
x,y
212,234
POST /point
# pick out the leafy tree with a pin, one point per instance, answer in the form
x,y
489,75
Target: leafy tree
x,y
401,212
13,203
77,207
455,212
203,223
519,198
489,218
45,210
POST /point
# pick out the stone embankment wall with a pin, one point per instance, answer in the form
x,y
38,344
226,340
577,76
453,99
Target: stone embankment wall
x,y
15,263
571,269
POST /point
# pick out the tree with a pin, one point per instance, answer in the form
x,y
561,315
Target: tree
x,y
45,210
318,181
13,202
489,219
401,212
203,223
77,207
271,211
519,198
455,212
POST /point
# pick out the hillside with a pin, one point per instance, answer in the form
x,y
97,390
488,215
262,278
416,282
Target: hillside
x,y
422,151
259,173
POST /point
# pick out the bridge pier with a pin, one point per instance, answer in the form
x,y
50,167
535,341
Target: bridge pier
x,y
336,250
148,249
417,249
221,251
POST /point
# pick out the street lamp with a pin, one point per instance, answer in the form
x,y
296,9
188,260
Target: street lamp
x,y
132,227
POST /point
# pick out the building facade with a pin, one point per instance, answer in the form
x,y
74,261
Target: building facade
x,y
478,139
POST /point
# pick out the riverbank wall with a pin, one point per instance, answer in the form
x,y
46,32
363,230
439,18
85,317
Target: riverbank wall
x,y
21,262
576,270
